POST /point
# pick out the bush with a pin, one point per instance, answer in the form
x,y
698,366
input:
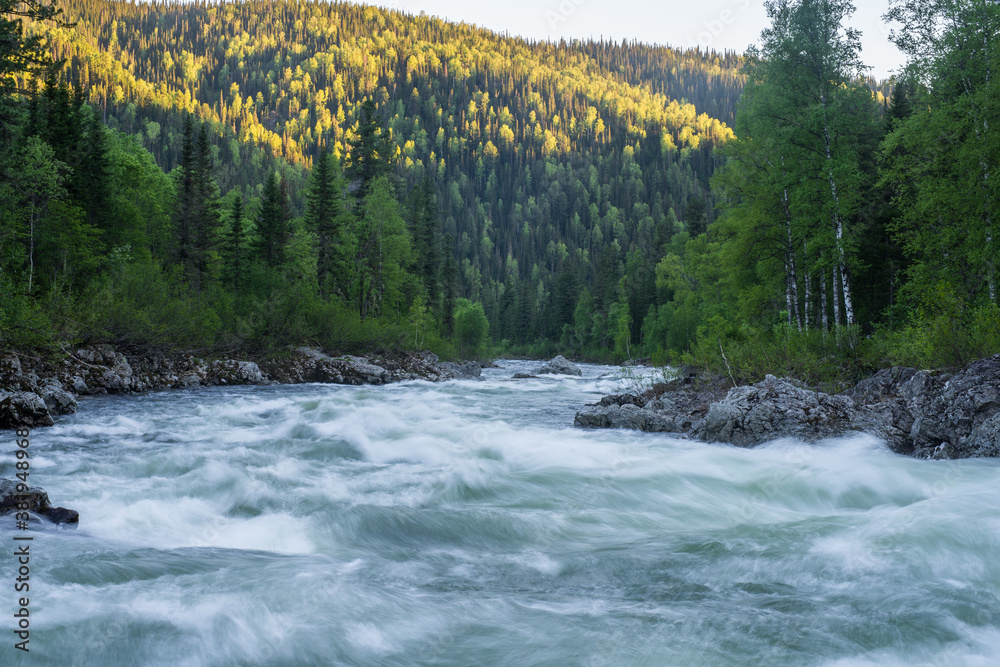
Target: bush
x,y
471,327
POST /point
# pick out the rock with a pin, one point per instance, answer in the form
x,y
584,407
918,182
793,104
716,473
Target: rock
x,y
22,408
985,438
937,415
630,416
10,372
525,376
470,370
35,500
560,366
57,399
774,408
919,413
79,385
30,382
118,378
235,373
666,407
63,516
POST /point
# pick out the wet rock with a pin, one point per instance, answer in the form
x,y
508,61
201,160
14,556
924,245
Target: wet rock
x,y
34,500
560,366
23,408
667,407
633,417
57,399
525,376
470,370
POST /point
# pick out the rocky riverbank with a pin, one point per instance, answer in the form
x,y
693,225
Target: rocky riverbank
x,y
926,414
33,390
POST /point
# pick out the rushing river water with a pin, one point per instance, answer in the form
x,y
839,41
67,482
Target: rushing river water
x,y
469,523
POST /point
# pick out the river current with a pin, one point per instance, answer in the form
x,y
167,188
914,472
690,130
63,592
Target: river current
x,y
469,523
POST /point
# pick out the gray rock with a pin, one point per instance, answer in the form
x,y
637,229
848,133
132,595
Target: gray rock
x,y
470,370
674,407
22,408
233,372
10,372
524,376
630,416
34,500
774,408
985,438
79,385
57,399
560,366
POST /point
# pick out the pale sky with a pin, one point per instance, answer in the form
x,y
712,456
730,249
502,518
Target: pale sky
x,y
718,24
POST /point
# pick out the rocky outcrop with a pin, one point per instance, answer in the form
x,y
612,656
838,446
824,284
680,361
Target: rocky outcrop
x,y
23,408
667,407
918,413
33,390
560,366
34,500
780,408
937,415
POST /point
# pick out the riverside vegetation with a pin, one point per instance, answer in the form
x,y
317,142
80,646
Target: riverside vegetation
x,y
234,178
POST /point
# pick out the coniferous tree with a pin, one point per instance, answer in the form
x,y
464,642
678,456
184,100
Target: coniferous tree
x,y
94,179
373,152
235,245
209,215
328,219
186,208
424,221
272,222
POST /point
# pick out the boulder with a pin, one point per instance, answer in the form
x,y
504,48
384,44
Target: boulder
x,y
34,500
778,408
666,407
57,399
560,366
232,372
633,417
469,370
938,415
23,408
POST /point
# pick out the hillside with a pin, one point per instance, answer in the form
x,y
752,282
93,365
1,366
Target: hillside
x,y
543,156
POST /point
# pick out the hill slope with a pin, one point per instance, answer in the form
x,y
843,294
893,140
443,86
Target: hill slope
x,y
545,157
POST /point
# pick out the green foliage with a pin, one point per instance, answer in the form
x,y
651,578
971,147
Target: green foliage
x,y
471,328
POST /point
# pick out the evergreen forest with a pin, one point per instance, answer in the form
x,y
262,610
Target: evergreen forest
x,y
238,177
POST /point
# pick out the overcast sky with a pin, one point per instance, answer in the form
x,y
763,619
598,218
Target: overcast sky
x,y
718,24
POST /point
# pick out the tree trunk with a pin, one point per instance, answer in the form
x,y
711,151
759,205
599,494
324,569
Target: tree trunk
x,y
823,302
838,225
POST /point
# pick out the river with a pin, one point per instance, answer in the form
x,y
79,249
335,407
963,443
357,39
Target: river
x,y
469,523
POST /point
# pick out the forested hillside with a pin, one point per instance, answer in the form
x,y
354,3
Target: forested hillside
x,y
550,167
250,175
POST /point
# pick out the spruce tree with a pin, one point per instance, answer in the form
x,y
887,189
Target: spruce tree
x,y
326,217
94,179
207,196
272,222
235,245
373,152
